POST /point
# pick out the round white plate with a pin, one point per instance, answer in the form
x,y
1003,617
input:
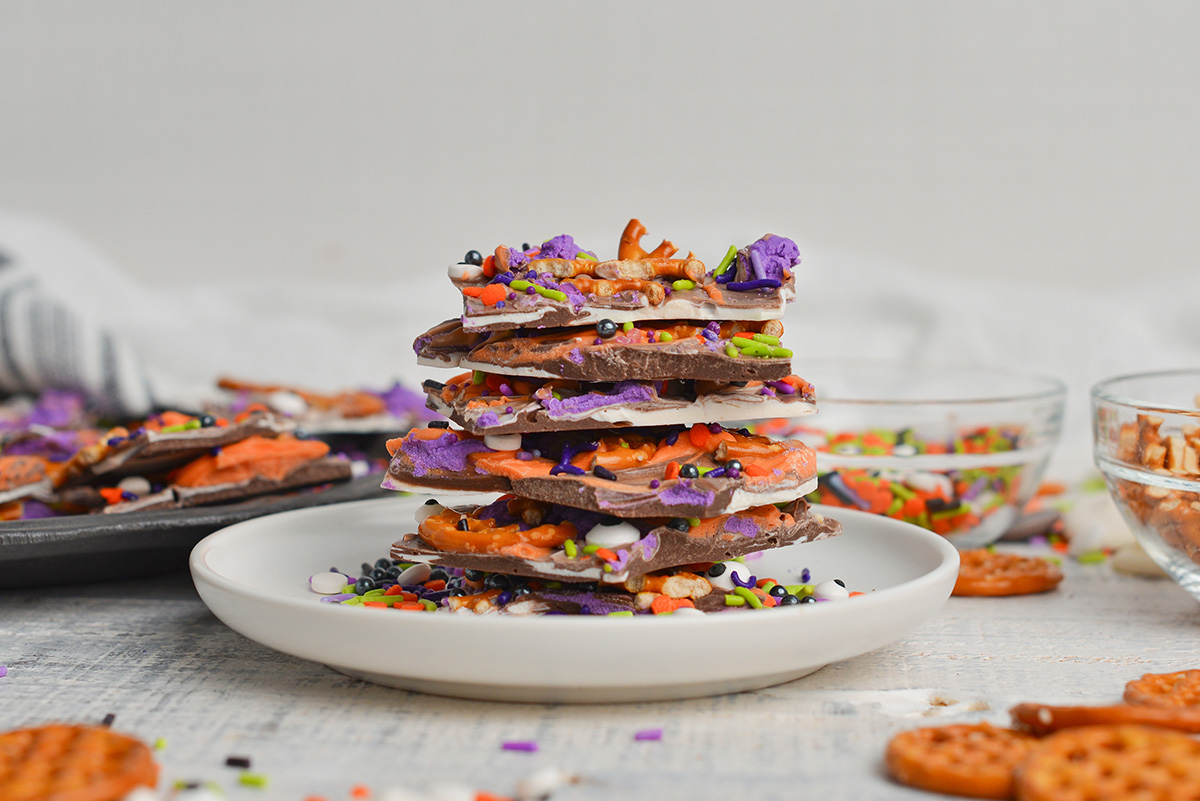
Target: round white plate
x,y
254,577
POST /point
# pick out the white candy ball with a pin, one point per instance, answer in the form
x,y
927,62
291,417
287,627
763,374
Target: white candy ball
x,y
328,583
613,536
503,442
465,272
417,574
725,580
830,591
135,484
904,449
288,403
688,611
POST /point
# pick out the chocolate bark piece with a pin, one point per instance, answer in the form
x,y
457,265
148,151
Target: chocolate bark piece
x,y
660,547
528,405
567,601
570,469
584,304
583,355
22,476
146,451
316,471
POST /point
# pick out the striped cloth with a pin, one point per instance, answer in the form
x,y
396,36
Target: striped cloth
x,y
47,343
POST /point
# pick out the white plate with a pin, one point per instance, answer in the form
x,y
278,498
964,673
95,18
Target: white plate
x,y
254,577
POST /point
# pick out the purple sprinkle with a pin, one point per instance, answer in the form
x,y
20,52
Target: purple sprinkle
x,y
524,456
505,389
530,290
333,599
654,483
648,734
529,746
113,442
503,598
715,428
732,472
748,583
598,341
3,671
512,295
499,304
805,576
784,387
718,472
767,391
126,495
1040,539
672,438
757,283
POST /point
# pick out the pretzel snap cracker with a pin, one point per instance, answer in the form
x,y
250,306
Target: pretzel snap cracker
x,y
1111,762
1042,718
1181,689
72,763
988,573
972,760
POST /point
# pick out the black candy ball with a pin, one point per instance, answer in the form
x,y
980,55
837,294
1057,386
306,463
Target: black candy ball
x,y
689,471
778,591
363,585
789,600
473,257
606,328
678,523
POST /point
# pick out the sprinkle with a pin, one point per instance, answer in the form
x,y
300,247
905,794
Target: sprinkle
x,y
805,576
654,483
590,549
237,762
606,554
3,671
160,744
731,351
109,719
623,613
478,377
745,593
257,780
360,791
663,336
682,284
728,260
693,521
648,734
735,600
1091,558
569,547
529,746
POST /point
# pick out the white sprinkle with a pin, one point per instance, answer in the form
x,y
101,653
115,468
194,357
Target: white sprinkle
x,y
417,574
328,583
464,272
830,591
288,403
613,536
136,484
503,442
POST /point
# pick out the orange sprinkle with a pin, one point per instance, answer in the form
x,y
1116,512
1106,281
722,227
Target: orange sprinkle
x,y
360,791
472,291
856,593
1061,547
222,422
376,604
743,335
713,292
489,266
606,554
436,585
315,798
111,494
395,589
673,471
665,603
1051,488
699,435
483,795
411,606
754,470
493,294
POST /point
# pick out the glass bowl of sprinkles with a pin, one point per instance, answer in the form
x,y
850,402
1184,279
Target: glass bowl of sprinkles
x,y
958,450
1146,442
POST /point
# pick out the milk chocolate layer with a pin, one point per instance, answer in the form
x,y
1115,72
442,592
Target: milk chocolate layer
x,y
528,405
570,469
661,546
583,355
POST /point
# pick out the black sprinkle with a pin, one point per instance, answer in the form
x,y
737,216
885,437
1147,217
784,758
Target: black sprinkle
x,y
108,720
439,424
238,762
603,472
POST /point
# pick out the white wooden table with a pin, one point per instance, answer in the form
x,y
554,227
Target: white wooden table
x,y
151,653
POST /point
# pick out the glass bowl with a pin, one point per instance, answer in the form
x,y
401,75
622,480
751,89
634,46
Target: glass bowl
x,y
1146,442
957,450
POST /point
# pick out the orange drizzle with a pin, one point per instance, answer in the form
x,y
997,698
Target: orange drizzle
x,y
252,457
484,536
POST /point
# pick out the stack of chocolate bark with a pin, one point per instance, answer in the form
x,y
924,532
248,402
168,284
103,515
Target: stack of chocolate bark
x,y
594,401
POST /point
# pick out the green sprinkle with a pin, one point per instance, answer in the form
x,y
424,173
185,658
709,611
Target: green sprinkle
x,y
682,284
569,547
191,425
553,294
770,340
1093,484
253,780
478,377
627,326
1091,557
519,285
665,337
750,597
160,744
373,593
586,256
347,588
779,353
799,590
430,606
731,351
770,583
730,255
590,549
173,429
556,394
897,505
607,567
693,521
752,348
901,491
735,600
620,614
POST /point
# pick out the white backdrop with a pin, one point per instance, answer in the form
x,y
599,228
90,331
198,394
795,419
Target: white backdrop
x,y
281,184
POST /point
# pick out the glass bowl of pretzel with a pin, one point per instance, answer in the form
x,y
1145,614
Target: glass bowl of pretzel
x,y
1146,442
958,450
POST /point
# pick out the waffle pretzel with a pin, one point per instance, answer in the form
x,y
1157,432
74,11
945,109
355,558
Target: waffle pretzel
x,y
1181,689
984,572
972,760
1111,762
61,762
1042,719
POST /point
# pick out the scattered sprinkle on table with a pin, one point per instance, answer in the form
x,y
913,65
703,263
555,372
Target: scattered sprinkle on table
x,y
160,744
108,720
258,780
360,791
649,734
3,671
238,762
520,745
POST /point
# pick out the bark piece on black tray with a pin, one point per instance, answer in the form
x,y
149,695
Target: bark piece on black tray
x,y
703,471
655,351
518,536
491,403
